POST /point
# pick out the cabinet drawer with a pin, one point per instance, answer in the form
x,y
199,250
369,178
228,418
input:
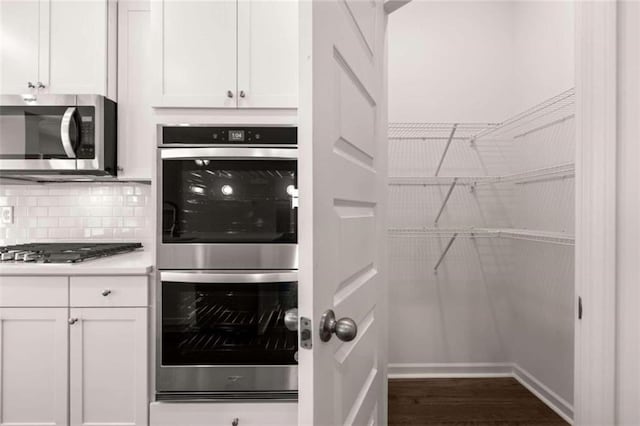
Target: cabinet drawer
x,y
34,291
223,414
109,291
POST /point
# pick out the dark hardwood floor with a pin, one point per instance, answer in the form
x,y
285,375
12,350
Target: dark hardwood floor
x,y
495,401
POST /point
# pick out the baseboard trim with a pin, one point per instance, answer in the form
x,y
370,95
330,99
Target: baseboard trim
x,y
420,371
546,395
464,370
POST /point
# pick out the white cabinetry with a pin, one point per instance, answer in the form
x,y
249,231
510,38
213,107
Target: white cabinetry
x,y
267,54
108,366
83,363
33,366
60,46
225,54
136,142
224,414
19,43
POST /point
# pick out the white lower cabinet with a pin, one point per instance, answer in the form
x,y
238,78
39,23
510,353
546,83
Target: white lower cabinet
x,y
74,365
108,366
224,414
33,366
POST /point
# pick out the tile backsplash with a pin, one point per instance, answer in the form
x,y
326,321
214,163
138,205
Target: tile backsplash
x,y
78,212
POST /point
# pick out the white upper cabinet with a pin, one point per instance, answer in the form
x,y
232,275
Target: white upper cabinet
x,y
61,46
268,54
196,53
225,53
78,40
19,21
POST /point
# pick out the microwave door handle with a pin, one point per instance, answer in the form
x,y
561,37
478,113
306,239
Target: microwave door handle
x,y
65,132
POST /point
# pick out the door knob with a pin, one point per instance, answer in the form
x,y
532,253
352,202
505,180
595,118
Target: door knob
x,y
291,319
229,94
345,328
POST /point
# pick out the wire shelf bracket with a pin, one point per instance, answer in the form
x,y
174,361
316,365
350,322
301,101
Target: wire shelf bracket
x,y
446,148
444,253
446,199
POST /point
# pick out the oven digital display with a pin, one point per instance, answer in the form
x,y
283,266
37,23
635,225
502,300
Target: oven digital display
x,y
236,135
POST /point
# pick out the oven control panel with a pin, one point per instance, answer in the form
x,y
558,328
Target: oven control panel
x,y
228,135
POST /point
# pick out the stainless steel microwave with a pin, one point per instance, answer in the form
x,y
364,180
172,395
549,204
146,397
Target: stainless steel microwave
x,y
52,137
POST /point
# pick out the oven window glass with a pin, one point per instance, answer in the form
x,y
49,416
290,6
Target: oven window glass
x,y
227,323
228,201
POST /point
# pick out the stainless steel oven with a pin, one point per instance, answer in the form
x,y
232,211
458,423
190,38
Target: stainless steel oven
x,y
227,334
227,197
57,135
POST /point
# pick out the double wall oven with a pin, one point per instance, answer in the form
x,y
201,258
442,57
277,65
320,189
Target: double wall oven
x,y
228,258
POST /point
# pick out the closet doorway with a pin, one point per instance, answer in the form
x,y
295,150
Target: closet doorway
x,y
482,149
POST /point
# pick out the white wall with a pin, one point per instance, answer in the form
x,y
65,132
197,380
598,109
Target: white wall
x,y
451,61
493,300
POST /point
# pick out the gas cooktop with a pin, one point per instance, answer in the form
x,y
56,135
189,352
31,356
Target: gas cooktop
x,y
63,252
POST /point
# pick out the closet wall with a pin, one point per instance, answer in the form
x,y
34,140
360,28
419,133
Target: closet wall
x,y
494,302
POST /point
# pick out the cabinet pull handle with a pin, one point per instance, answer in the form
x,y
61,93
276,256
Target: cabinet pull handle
x,y
30,85
235,422
229,94
72,321
242,94
106,292
40,85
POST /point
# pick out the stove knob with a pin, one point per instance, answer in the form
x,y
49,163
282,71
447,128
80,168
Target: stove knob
x,y
106,292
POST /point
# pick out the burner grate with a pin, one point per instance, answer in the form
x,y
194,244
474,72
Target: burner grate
x,y
63,252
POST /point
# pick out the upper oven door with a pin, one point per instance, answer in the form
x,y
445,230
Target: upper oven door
x,y
228,208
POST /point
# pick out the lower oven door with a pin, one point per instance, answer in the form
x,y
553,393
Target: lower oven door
x,y
223,334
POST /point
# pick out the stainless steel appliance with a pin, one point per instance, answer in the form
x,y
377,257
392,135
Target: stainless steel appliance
x,y
227,334
57,137
227,197
62,252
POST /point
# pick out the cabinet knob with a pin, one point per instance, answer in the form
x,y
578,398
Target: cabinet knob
x,y
235,422
106,292
242,94
30,85
72,321
40,85
229,94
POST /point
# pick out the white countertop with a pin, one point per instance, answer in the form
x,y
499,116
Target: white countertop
x,y
139,262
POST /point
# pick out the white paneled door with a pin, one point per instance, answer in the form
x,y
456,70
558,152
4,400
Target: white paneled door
x,y
33,366
108,358
342,180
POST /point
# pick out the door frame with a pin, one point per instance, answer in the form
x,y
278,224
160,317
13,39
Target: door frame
x,y
605,264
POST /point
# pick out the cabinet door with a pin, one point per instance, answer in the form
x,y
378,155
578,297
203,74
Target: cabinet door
x,y
268,53
19,38
109,368
78,40
136,143
33,366
195,53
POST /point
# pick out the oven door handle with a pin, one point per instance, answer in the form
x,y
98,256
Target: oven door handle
x,y
229,153
229,277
